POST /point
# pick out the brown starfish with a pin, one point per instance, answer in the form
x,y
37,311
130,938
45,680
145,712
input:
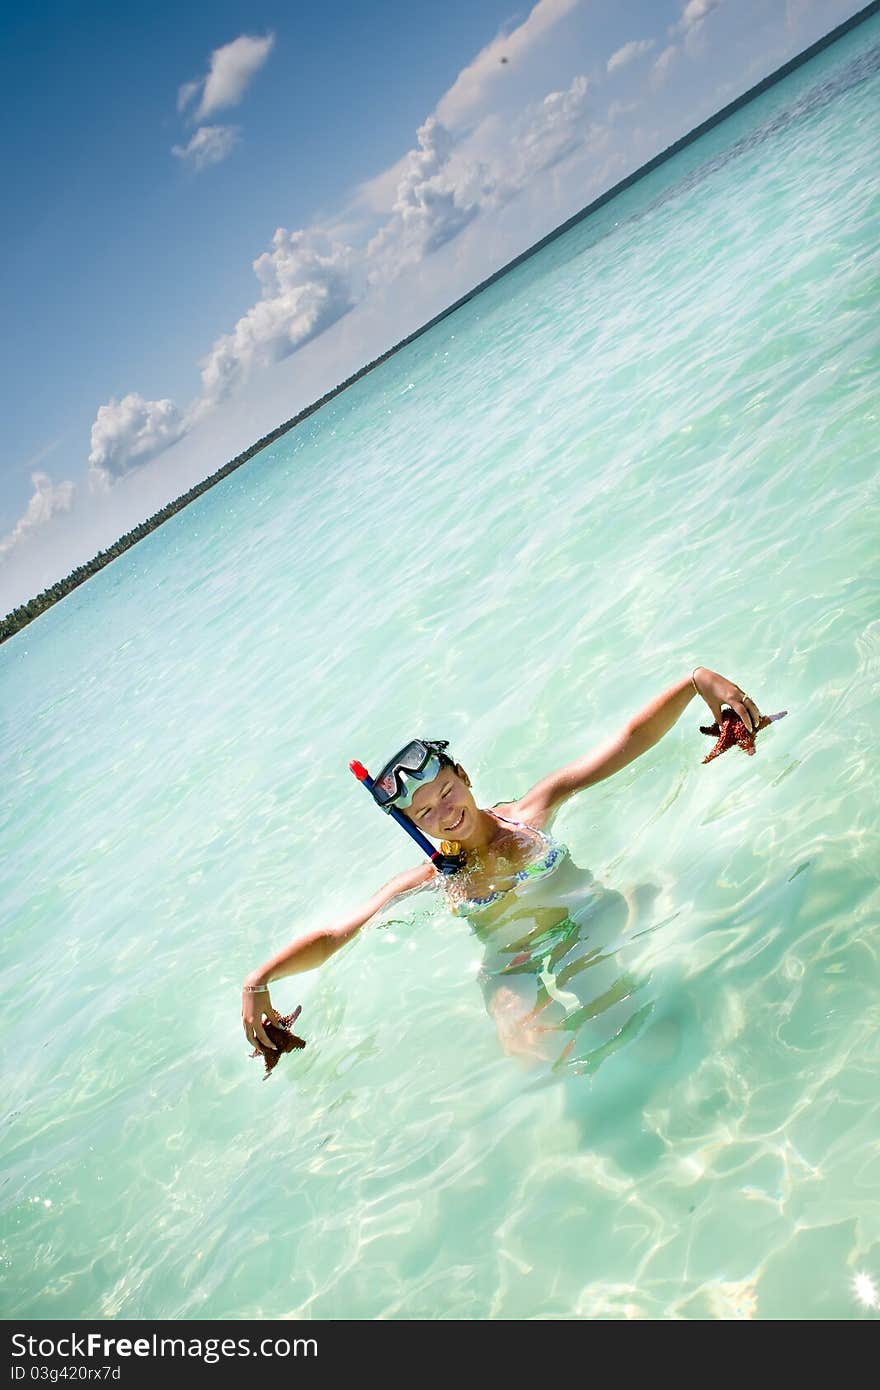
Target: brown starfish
x,y
733,731
281,1036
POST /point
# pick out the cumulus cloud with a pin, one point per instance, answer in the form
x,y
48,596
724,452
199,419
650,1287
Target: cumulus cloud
x,y
436,199
693,14
690,28
310,278
209,145
628,53
186,94
664,63
47,500
549,131
306,286
442,189
473,82
230,70
129,432
432,208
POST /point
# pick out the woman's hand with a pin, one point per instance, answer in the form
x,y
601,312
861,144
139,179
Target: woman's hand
x,y
717,690
254,1004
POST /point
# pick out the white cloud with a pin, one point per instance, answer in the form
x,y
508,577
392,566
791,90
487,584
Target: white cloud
x,y
310,279
48,500
209,145
474,82
693,14
628,53
621,108
186,94
480,197
663,64
445,184
129,432
689,28
549,131
436,199
306,280
230,70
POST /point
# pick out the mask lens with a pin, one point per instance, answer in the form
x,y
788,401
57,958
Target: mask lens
x,y
412,781
413,757
387,786
411,761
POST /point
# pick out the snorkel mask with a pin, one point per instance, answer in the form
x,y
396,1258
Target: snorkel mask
x,y
397,784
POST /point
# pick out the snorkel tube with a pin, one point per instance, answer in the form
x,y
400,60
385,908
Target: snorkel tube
x,y
445,863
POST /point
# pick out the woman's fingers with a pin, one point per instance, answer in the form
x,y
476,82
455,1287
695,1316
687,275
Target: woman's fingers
x,y
740,707
753,711
749,713
717,690
264,1039
256,1033
744,715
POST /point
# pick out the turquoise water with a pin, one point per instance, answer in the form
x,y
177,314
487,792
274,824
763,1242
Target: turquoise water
x,y
653,445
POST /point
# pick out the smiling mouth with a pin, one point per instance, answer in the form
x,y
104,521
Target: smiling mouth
x,y
450,828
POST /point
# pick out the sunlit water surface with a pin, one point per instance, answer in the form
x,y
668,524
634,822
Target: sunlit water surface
x,y
654,444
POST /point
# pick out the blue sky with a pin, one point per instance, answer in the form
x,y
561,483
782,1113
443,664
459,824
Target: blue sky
x,y
373,160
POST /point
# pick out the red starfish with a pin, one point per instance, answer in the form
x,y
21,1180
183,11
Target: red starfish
x,y
734,731
281,1036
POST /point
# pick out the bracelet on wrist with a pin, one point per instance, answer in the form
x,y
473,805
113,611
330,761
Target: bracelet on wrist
x,y
694,680
255,989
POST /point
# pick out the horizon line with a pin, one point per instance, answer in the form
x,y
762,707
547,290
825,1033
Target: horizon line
x,y
184,499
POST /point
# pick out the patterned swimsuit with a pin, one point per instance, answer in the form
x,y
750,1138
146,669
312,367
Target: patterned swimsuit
x,y
553,853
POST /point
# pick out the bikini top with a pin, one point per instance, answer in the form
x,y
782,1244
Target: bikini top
x,y
552,853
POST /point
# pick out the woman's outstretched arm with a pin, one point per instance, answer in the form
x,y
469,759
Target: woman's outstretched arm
x,y
638,735
313,948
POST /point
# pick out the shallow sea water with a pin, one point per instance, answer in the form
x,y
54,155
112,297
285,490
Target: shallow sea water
x,y
652,445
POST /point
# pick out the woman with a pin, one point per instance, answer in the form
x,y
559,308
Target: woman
x,y
535,962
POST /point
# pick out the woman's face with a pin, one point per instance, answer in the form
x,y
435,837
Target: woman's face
x,y
445,808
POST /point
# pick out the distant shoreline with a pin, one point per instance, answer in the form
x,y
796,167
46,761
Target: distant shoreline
x,y
25,613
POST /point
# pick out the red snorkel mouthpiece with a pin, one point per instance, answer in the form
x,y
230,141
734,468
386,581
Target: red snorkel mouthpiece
x,y
359,770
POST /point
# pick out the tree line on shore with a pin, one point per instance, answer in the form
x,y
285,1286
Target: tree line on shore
x,y
26,612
